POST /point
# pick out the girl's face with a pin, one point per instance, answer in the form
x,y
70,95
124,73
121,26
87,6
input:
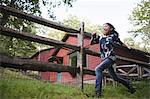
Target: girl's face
x,y
106,29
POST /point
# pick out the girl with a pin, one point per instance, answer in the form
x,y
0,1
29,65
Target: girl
x,y
109,38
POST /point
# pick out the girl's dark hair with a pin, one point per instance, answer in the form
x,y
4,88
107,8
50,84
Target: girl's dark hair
x,y
112,28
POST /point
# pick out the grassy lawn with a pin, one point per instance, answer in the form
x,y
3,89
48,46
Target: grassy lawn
x,y
120,92
16,86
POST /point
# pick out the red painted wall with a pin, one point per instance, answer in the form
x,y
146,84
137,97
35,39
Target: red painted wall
x,y
44,56
92,61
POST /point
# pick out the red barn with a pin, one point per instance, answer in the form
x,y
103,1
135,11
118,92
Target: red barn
x,y
44,55
68,57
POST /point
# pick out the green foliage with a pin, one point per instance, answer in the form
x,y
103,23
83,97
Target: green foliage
x,y
131,43
33,6
92,28
140,45
69,2
72,22
17,47
52,34
140,18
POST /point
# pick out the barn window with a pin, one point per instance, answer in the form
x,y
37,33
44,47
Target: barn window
x,y
73,60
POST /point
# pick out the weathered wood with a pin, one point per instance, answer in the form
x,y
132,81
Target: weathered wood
x,y
22,15
90,72
90,52
39,20
122,71
147,70
146,75
29,64
139,71
144,61
131,70
133,74
35,38
143,64
79,57
80,43
126,66
133,51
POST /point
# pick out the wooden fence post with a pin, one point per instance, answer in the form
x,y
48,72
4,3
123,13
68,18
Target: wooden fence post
x,y
80,55
139,71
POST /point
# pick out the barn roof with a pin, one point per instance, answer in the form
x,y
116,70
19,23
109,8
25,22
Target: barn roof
x,y
64,40
37,53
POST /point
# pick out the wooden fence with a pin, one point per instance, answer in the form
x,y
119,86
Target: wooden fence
x,y
29,64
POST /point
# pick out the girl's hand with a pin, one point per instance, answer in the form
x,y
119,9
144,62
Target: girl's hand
x,y
94,34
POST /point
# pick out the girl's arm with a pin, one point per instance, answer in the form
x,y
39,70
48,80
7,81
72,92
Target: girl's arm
x,y
94,39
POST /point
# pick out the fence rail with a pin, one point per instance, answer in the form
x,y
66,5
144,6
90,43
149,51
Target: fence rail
x,y
39,20
30,64
144,64
22,15
35,38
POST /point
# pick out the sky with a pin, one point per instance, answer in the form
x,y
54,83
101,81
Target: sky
x,y
99,12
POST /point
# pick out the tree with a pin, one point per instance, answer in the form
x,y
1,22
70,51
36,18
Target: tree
x,y
73,22
136,44
19,47
131,43
140,18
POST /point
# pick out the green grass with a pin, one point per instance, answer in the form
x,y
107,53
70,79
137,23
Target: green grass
x,y
14,85
120,92
20,89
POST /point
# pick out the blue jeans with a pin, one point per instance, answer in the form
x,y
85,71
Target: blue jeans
x,y
107,64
